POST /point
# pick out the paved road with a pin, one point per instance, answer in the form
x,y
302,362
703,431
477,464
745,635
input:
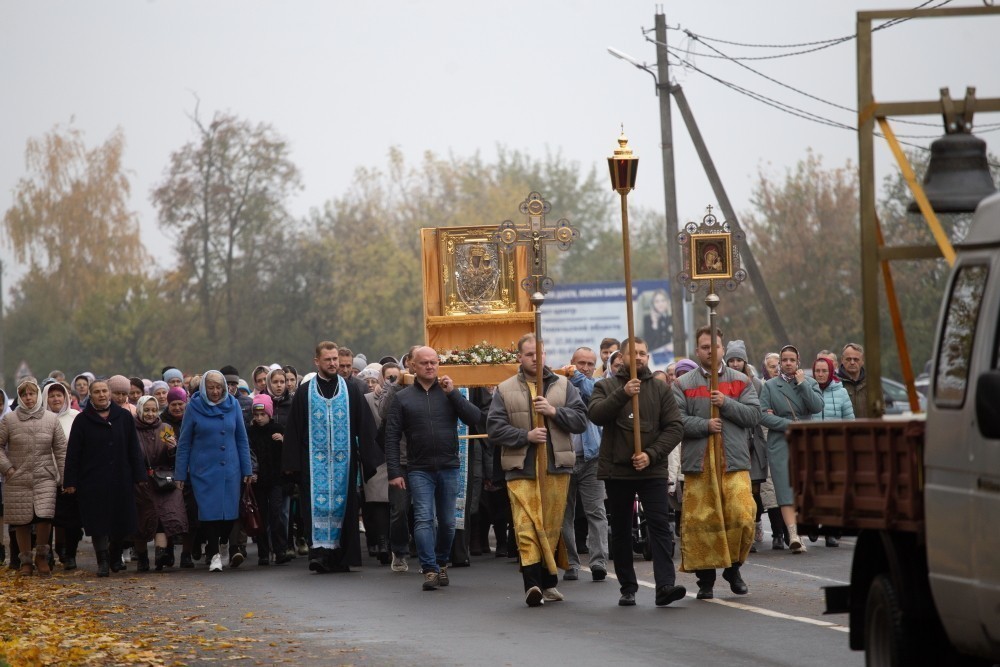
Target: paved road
x,y
375,616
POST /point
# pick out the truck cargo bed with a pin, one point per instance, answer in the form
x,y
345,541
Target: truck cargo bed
x,y
853,475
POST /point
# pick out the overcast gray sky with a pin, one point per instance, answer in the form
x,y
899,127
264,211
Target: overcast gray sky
x,y
343,82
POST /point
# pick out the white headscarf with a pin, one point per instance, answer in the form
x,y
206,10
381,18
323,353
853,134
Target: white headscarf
x,y
141,403
222,379
39,404
67,404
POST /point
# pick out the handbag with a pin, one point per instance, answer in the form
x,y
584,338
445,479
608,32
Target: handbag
x,y
163,480
249,512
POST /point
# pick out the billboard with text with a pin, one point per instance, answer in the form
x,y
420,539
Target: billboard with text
x,y
581,315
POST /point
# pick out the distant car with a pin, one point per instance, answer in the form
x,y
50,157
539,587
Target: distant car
x,y
896,400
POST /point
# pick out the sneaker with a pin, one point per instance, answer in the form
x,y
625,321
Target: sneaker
x,y
431,581
399,564
667,594
777,543
302,548
235,560
553,595
216,564
832,541
534,597
443,577
571,574
263,562
798,547
598,572
627,600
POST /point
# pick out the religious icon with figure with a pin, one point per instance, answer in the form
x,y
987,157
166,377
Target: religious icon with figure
x,y
476,277
710,256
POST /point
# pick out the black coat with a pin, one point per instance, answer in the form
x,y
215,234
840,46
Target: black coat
x,y
364,460
428,418
268,452
103,463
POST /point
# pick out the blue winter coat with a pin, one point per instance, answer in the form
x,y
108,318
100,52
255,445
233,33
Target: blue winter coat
x,y
214,453
836,403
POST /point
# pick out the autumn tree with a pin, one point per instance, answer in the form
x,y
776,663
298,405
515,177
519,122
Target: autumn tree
x,y
71,224
224,199
358,269
71,221
804,233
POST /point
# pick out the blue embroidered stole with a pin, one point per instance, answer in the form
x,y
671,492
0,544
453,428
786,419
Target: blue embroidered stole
x,y
463,468
329,462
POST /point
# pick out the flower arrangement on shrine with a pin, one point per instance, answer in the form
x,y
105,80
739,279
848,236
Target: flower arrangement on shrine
x,y
483,352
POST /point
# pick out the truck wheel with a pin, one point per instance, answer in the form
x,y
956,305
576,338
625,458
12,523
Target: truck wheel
x,y
885,642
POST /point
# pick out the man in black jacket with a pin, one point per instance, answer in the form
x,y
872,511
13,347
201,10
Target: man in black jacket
x,y
427,412
627,474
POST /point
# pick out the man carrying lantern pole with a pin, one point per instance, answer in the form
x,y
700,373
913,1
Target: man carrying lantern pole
x,y
633,455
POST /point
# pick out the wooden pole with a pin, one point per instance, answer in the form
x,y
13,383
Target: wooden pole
x,y
537,299
626,249
714,439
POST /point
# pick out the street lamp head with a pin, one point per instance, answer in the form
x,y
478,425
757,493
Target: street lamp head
x,y
623,166
624,56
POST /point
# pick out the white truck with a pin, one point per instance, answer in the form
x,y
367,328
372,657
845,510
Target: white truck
x,y
922,493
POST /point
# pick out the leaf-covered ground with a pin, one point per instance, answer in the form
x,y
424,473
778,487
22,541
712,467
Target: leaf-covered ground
x,y
73,618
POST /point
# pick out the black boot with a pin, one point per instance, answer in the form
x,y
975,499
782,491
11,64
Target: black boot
x,y
69,557
3,554
115,559
15,552
384,554
160,558
169,556
736,583
779,532
103,565
143,561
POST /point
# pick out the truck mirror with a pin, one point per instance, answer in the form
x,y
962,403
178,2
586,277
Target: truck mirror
x,y
987,406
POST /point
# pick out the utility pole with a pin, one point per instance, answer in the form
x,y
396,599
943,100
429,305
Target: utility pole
x,y
753,271
669,188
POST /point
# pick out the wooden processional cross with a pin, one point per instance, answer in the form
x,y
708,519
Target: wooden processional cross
x,y
536,234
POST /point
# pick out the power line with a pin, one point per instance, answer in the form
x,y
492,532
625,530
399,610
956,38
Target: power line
x,y
800,91
782,106
802,113
822,43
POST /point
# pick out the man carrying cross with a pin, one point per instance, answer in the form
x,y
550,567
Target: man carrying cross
x,y
537,458
719,509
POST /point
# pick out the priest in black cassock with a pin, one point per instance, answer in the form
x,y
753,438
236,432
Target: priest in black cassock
x,y
330,443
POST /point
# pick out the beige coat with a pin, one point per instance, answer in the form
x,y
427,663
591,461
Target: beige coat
x,y
34,445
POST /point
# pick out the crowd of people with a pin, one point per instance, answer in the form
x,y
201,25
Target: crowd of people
x,y
551,462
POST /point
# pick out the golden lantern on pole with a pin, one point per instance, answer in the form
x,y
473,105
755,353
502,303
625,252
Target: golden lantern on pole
x,y
623,165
